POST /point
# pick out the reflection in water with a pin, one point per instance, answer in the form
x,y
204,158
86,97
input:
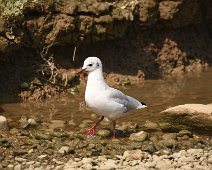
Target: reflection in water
x,y
158,94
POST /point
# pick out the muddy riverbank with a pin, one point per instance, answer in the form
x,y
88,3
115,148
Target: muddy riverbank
x,y
134,39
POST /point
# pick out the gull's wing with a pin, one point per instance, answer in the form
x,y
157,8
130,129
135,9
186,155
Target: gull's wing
x,y
127,101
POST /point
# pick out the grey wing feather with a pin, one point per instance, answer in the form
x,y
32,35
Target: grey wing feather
x,y
129,102
134,104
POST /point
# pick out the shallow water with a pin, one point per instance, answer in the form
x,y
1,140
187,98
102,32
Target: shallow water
x,y
157,94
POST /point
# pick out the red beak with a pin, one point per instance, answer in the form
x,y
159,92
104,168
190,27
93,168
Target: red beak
x,y
81,71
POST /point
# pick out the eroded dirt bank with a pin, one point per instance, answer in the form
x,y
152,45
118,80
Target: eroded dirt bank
x,y
136,38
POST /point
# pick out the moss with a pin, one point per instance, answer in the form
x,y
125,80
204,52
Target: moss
x,y
10,8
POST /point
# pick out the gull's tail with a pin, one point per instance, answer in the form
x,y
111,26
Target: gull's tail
x,y
135,104
143,105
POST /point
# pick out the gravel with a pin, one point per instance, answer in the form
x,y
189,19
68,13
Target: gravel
x,y
132,159
35,148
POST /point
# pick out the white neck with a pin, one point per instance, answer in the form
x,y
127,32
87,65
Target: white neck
x,y
96,80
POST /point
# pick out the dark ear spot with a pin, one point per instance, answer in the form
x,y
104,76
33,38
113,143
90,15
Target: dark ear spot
x,y
97,64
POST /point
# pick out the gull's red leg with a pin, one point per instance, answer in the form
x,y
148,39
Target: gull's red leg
x,y
114,129
92,130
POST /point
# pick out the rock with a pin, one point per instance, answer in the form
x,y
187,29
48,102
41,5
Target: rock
x,y
169,127
37,164
29,122
3,123
57,162
187,167
148,147
10,166
151,125
43,136
20,159
209,160
150,164
94,116
195,116
167,136
30,151
133,155
43,157
127,126
184,132
86,160
104,133
156,158
167,143
110,164
66,150
63,150
197,152
163,144
18,167
164,164
140,136
20,152
30,163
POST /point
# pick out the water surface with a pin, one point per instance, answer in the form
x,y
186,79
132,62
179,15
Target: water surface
x,y
157,94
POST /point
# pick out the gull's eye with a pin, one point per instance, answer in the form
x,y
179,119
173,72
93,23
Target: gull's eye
x,y
90,65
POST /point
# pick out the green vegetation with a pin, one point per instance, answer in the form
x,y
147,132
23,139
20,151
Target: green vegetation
x,y
11,7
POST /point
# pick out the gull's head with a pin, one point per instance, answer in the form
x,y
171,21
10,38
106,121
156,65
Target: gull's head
x,y
91,64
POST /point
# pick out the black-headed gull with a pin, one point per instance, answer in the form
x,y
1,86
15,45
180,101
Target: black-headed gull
x,y
103,99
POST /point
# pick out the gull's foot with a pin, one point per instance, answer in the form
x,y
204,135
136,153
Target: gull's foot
x,y
91,131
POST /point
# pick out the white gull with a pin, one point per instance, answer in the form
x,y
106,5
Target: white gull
x,y
103,99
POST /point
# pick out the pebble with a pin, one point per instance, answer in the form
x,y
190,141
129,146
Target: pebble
x,y
64,150
133,155
151,125
210,160
195,151
30,163
104,133
20,159
137,159
37,164
30,151
10,166
168,143
131,159
57,162
3,123
42,157
86,160
164,164
140,136
167,136
184,132
20,152
18,167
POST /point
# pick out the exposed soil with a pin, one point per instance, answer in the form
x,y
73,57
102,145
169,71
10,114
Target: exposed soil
x,y
134,39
